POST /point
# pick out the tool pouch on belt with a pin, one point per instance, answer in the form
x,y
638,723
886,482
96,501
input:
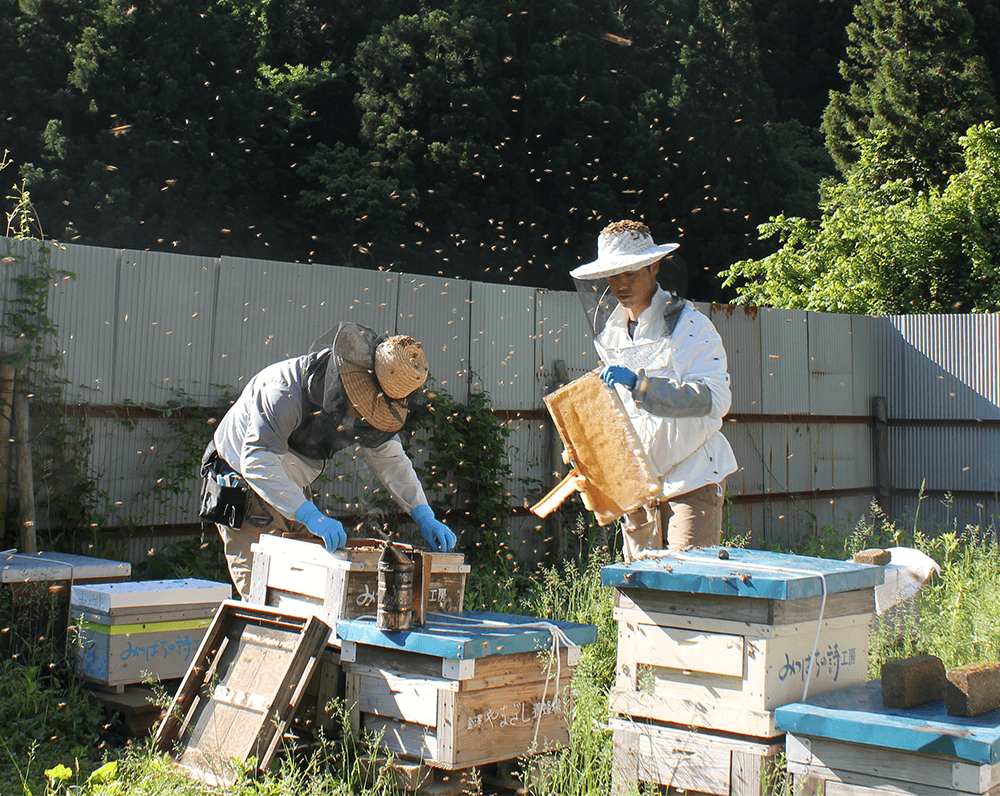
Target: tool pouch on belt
x,y
223,491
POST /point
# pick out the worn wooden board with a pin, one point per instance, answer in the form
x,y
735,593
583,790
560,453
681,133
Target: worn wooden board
x,y
937,771
472,673
603,446
715,612
685,759
745,573
731,682
822,781
48,566
241,691
857,715
472,634
326,686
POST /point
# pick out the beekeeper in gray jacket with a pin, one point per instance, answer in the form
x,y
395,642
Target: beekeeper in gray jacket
x,y
352,389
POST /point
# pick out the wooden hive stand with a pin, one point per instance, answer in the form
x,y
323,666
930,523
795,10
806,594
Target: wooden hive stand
x,y
709,647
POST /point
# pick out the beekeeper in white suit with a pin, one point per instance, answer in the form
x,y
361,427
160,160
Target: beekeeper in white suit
x,y
352,389
667,362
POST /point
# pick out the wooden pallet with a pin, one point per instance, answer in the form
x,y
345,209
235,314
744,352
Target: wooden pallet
x,y
410,775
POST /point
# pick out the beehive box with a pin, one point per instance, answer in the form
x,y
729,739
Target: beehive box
x,y
35,595
847,742
305,579
462,690
720,643
131,631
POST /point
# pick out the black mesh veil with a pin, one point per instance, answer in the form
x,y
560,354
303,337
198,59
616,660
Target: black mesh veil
x,y
599,303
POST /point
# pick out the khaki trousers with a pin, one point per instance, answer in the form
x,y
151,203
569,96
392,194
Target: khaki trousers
x,y
691,520
260,518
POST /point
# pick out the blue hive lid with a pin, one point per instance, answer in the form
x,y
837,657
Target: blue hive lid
x,y
745,573
473,634
857,715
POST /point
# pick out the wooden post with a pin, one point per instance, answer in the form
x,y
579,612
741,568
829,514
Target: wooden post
x,y
883,478
25,480
6,414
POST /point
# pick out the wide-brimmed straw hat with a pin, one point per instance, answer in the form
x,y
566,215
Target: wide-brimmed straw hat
x,y
623,247
379,373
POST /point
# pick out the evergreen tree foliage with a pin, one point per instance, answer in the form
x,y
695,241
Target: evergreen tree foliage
x,y
913,72
487,140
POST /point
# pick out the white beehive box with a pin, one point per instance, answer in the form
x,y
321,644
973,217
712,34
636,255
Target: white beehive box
x,y
305,579
719,644
129,632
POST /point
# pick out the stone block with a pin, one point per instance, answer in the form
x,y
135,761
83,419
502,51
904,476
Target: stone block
x,y
973,690
874,555
908,682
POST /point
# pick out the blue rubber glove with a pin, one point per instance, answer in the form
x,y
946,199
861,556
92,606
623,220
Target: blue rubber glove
x,y
618,374
435,532
319,524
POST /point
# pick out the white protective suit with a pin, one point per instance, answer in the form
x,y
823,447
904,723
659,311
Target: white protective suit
x,y
253,438
679,420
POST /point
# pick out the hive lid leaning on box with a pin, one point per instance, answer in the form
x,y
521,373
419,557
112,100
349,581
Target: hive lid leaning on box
x,y
745,573
857,715
106,597
473,634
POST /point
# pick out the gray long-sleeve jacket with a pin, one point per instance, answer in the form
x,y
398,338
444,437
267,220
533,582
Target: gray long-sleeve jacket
x,y
278,438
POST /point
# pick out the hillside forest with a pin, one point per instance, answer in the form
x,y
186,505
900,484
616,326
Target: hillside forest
x,y
493,140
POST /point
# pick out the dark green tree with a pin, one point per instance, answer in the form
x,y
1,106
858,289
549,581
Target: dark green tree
x,y
913,72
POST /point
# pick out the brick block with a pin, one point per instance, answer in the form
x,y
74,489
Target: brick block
x,y
973,690
873,555
908,682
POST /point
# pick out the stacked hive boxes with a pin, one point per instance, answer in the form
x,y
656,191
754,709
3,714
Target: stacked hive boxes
x,y
711,642
129,632
463,690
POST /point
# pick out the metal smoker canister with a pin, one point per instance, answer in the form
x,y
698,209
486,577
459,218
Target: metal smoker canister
x,y
394,604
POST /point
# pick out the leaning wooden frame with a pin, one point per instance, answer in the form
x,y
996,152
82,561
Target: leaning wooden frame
x,y
241,692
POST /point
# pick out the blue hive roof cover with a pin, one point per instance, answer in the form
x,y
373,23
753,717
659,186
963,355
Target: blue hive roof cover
x,y
744,573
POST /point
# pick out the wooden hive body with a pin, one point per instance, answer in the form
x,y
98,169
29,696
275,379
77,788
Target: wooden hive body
x,y
465,691
305,579
130,631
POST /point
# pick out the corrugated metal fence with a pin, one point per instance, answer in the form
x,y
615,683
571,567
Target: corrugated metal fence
x,y
150,329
